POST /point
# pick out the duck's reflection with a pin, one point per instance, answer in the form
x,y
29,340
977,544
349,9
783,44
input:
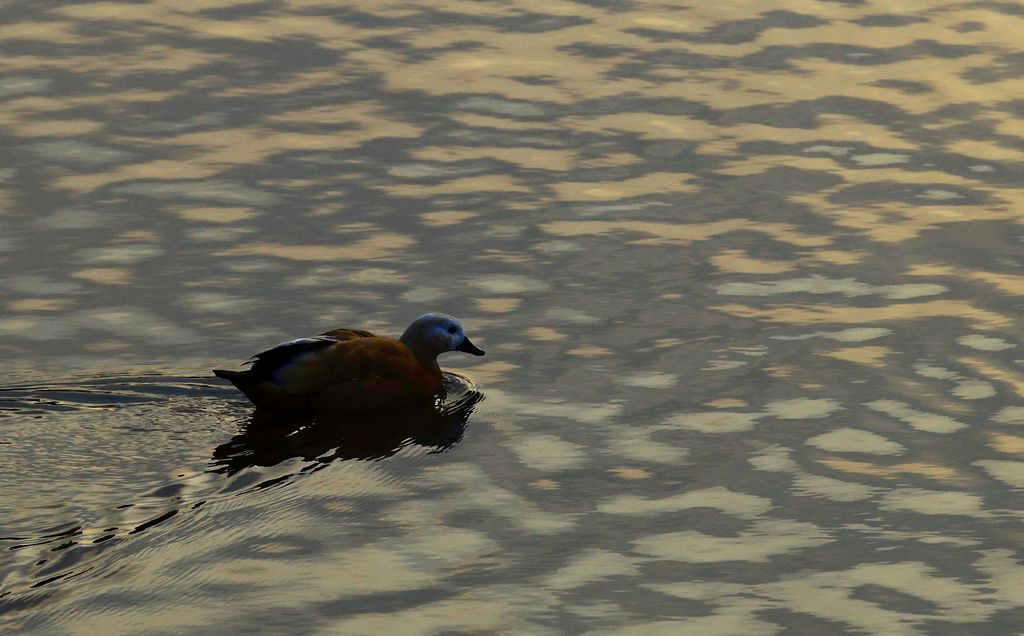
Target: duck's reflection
x,y
271,438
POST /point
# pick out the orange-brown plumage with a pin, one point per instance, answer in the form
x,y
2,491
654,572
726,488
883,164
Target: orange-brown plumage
x,y
349,370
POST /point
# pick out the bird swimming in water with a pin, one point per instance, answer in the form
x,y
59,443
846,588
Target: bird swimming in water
x,y
350,370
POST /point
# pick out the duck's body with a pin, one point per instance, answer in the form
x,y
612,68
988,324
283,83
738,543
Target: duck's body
x,y
350,370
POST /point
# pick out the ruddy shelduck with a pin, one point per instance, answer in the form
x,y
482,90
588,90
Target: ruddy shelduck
x,y
350,370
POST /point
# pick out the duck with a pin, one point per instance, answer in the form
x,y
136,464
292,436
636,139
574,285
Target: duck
x,y
352,370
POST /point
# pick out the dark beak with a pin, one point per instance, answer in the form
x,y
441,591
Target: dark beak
x,y
469,347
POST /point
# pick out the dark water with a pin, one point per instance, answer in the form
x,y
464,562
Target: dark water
x,y
749,277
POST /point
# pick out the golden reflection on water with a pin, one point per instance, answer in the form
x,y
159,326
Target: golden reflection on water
x,y
748,279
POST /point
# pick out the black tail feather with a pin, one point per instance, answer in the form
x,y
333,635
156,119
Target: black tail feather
x,y
243,381
234,376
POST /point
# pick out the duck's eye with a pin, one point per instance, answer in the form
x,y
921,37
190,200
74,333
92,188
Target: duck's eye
x,y
452,329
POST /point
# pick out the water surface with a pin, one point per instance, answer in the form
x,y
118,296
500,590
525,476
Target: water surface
x,y
748,276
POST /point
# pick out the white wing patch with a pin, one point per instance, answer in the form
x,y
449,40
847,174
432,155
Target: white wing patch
x,y
301,341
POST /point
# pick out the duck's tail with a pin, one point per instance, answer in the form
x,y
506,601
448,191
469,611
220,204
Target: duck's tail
x,y
242,380
262,393
234,376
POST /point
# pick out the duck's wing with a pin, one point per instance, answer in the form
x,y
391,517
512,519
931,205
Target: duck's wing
x,y
310,365
266,364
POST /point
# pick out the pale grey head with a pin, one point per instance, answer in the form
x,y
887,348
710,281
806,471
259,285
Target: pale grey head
x,y
438,333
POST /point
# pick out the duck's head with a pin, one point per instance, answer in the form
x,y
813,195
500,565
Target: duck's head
x,y
434,334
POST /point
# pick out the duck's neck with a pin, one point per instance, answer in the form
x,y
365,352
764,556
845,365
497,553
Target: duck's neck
x,y
426,354
430,376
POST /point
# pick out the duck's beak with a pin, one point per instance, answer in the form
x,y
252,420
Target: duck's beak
x,y
469,347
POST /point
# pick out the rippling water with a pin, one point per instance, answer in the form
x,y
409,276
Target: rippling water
x,y
748,276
